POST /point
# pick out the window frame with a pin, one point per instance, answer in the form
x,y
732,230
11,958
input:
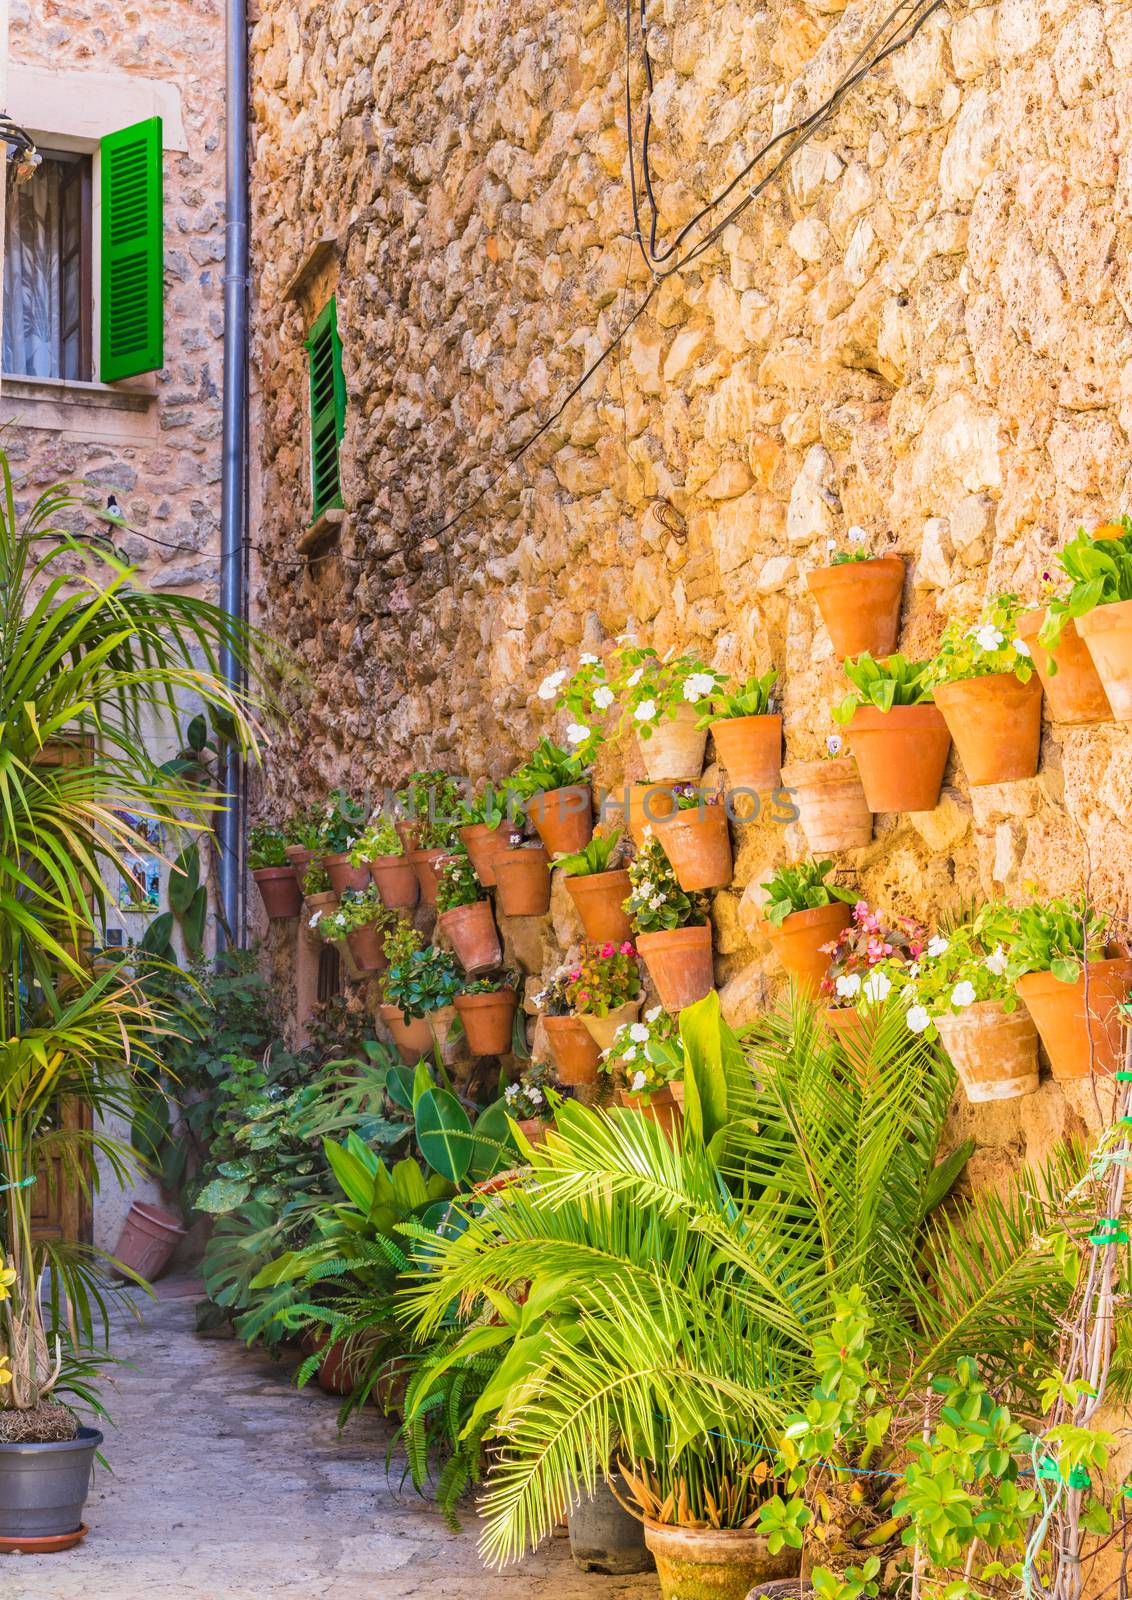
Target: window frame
x,y
67,154
332,409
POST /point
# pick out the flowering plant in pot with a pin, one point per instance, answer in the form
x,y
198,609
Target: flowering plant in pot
x,y
598,885
343,821
464,914
984,684
486,1007
747,732
362,919
604,989
696,838
531,1101
378,851
481,829
671,928
1099,602
573,1049
411,1033
522,876
859,595
805,913
899,739
664,698
646,1063
555,786
830,797
430,803
273,873
316,884
867,960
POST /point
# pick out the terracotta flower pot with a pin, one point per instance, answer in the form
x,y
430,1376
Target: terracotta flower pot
x,y
472,933
326,902
643,806
1074,693
300,859
487,1020
996,723
1107,632
603,1030
797,943
413,1039
698,844
534,1129
832,809
1058,1010
665,1106
995,1052
854,1032
366,945
573,1050
859,603
148,1238
279,892
599,897
425,864
900,755
483,844
564,818
396,881
338,1372
342,875
723,1564
751,750
523,882
680,964
674,751
440,1026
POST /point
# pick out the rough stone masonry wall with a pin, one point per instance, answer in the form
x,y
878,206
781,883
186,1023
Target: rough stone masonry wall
x,y
923,328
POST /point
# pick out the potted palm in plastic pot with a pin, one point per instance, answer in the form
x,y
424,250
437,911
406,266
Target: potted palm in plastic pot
x,y
805,914
1074,981
554,784
899,740
378,850
748,734
598,885
859,595
1099,602
671,929
273,873
604,989
464,915
984,684
486,1007
572,1047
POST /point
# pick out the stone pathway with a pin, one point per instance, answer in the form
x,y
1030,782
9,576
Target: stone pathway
x,y
228,1484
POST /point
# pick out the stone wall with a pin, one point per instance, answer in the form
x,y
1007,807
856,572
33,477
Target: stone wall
x,y
923,328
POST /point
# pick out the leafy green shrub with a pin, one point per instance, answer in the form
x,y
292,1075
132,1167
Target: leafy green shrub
x,y
894,681
550,767
379,837
599,855
1099,573
457,884
802,887
978,649
422,982
751,699
656,901
343,820
267,847
1057,936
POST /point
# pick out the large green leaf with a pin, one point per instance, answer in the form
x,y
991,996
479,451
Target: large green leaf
x,y
223,1194
194,921
444,1134
493,1148
184,879
399,1087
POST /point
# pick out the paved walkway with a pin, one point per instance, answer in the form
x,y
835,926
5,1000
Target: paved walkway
x,y
228,1484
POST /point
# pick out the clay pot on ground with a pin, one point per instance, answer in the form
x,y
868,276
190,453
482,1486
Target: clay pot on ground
x,y
698,844
366,946
1107,632
680,964
487,1020
750,748
994,1052
1074,693
603,1030
832,809
342,875
797,943
472,933
723,1563
337,1371
604,1537
148,1239
644,805
859,603
397,883
901,755
483,844
425,864
573,1050
665,1107
279,891
563,818
413,1039
674,751
522,879
1059,1013
996,723
599,897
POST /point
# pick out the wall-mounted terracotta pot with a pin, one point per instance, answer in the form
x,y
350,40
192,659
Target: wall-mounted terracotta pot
x,y
483,844
832,809
487,1020
425,865
797,943
996,723
522,879
674,751
599,898
326,902
472,933
994,1052
665,1106
750,748
680,964
366,945
343,876
534,1129
723,1563
397,883
573,1050
1074,693
900,755
413,1039
440,1024
859,603
1107,632
300,859
279,892
1059,1013
698,844
563,818
603,1030
645,805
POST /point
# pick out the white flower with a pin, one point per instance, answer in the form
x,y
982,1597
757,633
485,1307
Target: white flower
x,y
1020,647
833,744
629,1053
550,686
878,986
586,660
937,945
856,534
988,638
510,1092
657,901
996,961
652,1014
639,1081
697,685
913,969
534,1096
316,919
646,711
603,697
963,994
636,677
831,545
646,887
848,985
638,1032
918,1018
577,733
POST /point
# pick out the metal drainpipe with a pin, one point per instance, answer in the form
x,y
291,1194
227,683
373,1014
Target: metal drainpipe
x,y
234,456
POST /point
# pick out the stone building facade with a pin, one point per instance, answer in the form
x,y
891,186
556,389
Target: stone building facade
x,y
922,327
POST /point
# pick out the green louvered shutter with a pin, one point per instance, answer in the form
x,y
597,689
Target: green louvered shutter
x,y
328,408
132,276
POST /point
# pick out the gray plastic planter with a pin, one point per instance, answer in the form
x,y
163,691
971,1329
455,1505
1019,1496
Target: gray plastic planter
x,y
604,1537
43,1487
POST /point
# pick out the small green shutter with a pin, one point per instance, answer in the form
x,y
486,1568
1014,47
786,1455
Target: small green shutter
x,y
328,408
132,277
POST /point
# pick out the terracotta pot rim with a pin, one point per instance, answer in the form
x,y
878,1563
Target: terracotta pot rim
x,y
827,576
592,879
477,1002
925,715
691,935
732,722
983,1010
1045,979
812,916
1008,682
472,905
828,771
380,862
269,874
1109,615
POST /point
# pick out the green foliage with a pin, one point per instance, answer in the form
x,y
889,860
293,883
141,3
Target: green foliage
x,y
1056,936
457,884
1099,573
304,828
962,967
607,976
601,854
977,649
431,801
342,821
656,900
550,767
751,699
423,981
379,837
802,887
267,847
651,689
894,681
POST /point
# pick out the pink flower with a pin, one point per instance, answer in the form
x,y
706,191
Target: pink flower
x,y
916,949
861,909
607,950
575,975
627,948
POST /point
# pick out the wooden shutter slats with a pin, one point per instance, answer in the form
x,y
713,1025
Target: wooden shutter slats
x,y
132,252
327,408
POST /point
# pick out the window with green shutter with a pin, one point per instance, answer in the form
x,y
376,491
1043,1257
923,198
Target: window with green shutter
x,y
132,267
328,408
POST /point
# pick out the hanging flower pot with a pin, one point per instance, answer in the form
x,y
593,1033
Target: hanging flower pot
x,y
1074,693
901,755
366,947
674,752
603,1030
471,932
396,881
413,1039
299,859
563,818
326,902
483,844
573,1050
1107,632
280,893
697,842
680,964
994,1052
996,723
798,941
723,1563
440,1021
487,1020
665,1106
425,864
829,795
1059,1013
534,1129
645,805
750,748
523,881
342,875
599,898
859,603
